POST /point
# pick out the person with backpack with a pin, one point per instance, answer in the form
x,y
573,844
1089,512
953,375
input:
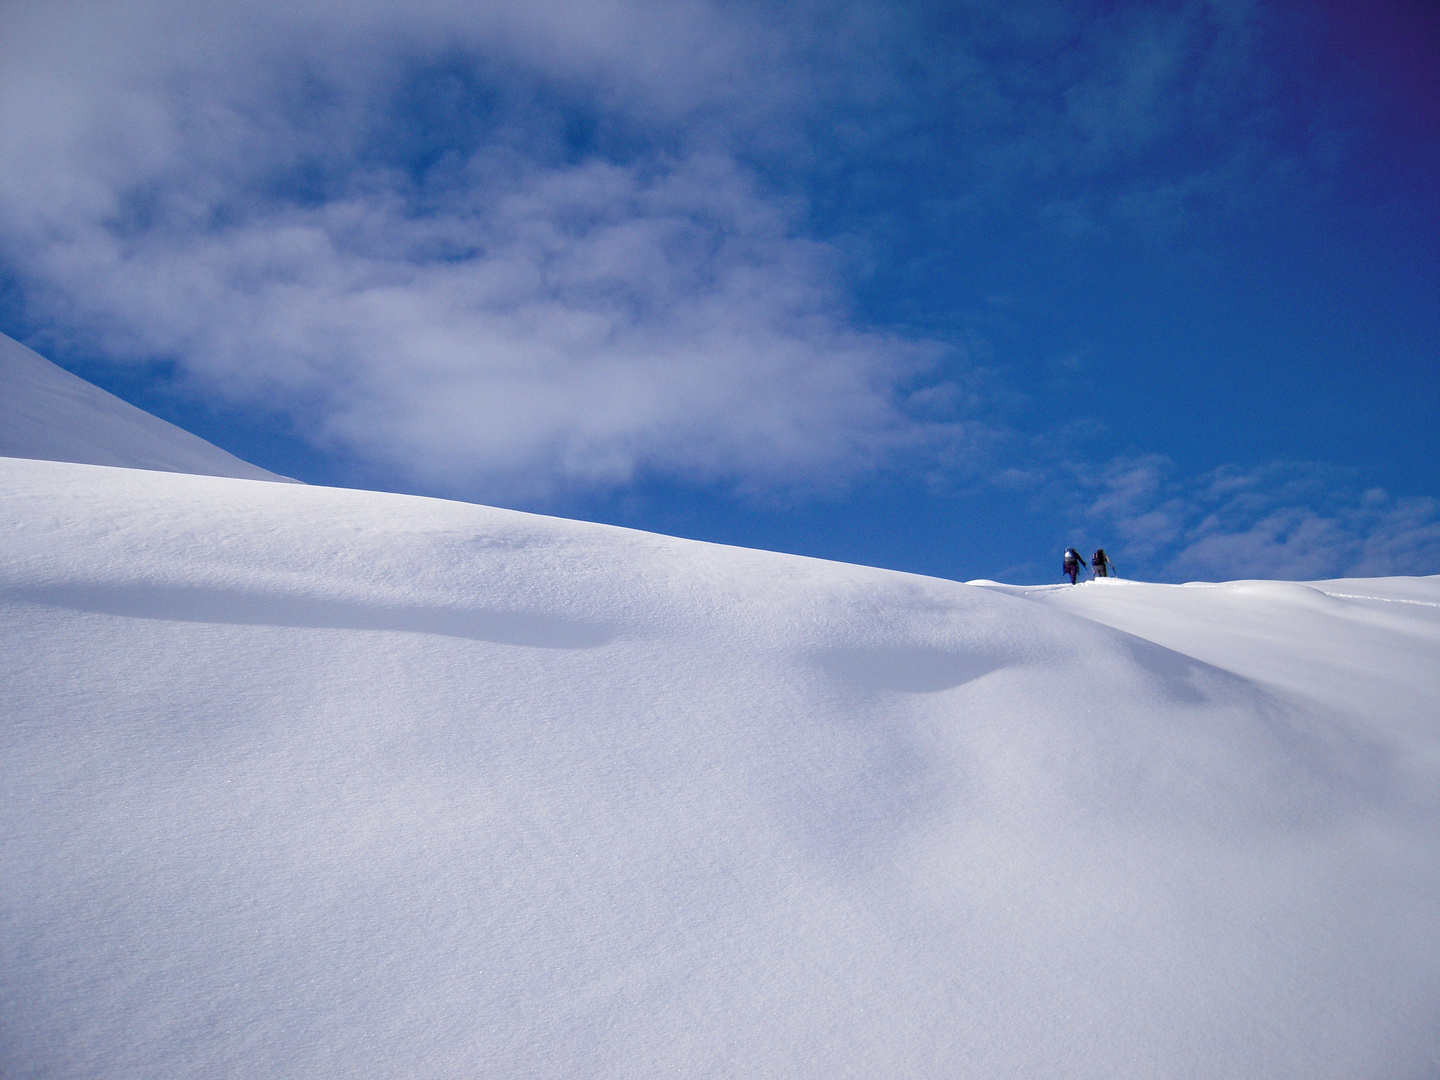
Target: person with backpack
x,y
1101,564
1074,564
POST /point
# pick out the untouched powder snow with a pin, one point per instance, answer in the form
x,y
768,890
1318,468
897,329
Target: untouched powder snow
x,y
48,413
303,782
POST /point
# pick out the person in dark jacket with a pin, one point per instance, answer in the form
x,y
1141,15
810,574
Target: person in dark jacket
x,y
1101,564
1074,564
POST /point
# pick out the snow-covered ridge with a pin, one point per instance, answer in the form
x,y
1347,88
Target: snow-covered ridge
x,y
50,414
311,782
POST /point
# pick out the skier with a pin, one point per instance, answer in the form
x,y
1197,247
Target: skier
x,y
1101,564
1074,564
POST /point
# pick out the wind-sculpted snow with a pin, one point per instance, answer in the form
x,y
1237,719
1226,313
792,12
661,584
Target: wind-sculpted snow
x,y
908,670
312,783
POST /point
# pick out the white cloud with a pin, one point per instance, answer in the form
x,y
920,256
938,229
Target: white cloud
x,y
220,193
598,322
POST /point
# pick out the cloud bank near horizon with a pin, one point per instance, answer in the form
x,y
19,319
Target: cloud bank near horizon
x,y
1296,520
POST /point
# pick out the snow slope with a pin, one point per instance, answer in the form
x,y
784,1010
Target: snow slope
x,y
48,413
305,782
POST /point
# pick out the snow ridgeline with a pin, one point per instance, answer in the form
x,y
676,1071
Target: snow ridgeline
x,y
50,414
320,783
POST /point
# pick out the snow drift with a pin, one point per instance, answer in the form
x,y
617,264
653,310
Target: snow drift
x,y
309,782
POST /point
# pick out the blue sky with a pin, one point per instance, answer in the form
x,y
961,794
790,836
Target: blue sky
x,y
936,287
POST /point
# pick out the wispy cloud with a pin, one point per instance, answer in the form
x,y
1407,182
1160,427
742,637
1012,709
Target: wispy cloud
x,y
1294,520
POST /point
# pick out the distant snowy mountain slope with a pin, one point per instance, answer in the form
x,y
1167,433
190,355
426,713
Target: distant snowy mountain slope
x,y
50,414
303,782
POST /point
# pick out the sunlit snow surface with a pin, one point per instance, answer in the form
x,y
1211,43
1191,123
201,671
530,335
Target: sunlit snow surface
x,y
302,782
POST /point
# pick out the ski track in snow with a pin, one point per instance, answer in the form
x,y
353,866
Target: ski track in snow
x,y
319,783
1384,599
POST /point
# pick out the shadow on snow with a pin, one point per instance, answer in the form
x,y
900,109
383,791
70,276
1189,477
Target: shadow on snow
x,y
236,608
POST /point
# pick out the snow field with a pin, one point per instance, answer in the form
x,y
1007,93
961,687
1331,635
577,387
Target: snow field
x,y
309,782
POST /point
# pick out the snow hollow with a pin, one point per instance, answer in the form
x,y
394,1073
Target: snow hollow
x,y
306,782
